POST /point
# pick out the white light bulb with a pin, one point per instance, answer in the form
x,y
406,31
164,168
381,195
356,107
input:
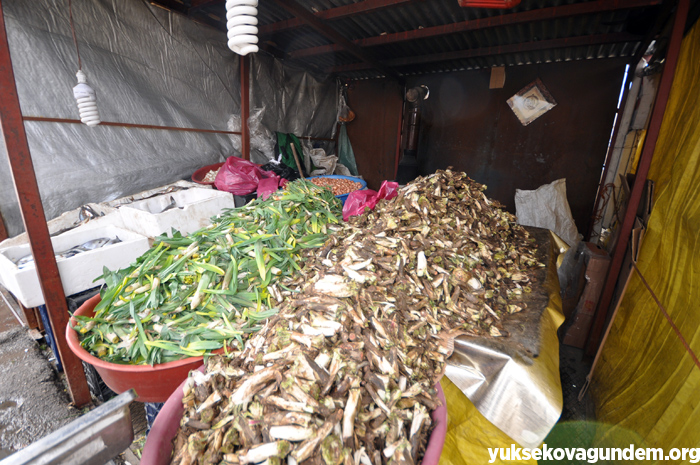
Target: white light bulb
x,y
242,25
87,104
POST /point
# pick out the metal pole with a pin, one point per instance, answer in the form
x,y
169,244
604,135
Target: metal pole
x,y
32,211
657,116
245,107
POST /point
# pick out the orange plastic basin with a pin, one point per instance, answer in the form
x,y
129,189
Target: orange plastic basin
x,y
198,176
151,383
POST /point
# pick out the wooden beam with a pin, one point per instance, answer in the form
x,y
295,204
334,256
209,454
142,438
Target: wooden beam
x,y
345,11
300,12
542,14
32,210
657,116
496,50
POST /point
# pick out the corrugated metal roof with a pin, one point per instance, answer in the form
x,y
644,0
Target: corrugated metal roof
x,y
594,34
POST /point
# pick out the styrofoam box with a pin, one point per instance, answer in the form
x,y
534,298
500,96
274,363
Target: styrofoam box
x,y
194,208
77,272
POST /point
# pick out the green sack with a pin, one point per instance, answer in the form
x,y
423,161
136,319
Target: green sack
x,y
284,146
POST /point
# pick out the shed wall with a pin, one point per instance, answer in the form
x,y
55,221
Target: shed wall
x,y
473,129
373,133
470,127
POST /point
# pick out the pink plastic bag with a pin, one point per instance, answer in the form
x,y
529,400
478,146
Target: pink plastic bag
x,y
269,185
358,201
240,177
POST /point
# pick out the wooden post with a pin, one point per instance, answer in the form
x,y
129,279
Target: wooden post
x,y
32,210
245,107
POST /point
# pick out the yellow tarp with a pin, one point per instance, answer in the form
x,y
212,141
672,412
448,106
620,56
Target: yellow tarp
x,y
469,433
646,382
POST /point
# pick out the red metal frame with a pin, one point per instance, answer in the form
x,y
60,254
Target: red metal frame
x,y
497,50
3,231
44,119
541,14
652,136
245,106
330,33
32,211
502,4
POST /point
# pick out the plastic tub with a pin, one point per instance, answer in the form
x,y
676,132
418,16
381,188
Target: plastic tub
x,y
159,443
343,197
198,176
151,383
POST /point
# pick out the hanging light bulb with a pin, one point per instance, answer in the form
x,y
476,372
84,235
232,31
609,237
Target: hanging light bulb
x,y
87,104
242,24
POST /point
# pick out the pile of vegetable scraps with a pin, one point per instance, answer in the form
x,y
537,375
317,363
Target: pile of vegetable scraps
x,y
344,374
191,295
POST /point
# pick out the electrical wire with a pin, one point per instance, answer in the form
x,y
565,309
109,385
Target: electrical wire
x,y
72,29
606,194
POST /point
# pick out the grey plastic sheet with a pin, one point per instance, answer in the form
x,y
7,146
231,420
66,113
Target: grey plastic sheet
x,y
295,101
147,66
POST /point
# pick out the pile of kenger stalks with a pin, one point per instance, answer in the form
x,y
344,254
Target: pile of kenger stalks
x,y
345,373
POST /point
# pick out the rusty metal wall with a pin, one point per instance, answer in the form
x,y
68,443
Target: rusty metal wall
x,y
472,128
373,134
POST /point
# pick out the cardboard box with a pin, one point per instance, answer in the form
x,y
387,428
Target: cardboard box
x,y
77,272
597,265
185,210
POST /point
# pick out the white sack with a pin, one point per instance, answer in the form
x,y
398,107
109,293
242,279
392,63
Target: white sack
x,y
324,163
547,207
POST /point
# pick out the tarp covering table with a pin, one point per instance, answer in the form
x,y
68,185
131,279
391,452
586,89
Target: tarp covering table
x,y
518,393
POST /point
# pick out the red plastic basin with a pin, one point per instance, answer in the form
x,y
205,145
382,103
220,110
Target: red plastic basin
x,y
198,176
159,443
151,383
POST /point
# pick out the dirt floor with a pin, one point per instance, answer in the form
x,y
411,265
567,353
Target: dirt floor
x,y
34,400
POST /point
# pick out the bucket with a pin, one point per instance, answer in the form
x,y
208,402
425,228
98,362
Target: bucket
x,y
151,383
159,443
198,176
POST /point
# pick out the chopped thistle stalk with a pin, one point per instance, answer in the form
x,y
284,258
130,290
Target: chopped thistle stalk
x,y
346,371
191,294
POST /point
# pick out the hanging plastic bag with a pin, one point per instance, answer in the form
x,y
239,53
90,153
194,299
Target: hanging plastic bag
x,y
346,155
365,200
240,177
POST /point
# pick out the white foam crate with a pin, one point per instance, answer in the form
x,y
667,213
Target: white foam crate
x,y
77,272
194,208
